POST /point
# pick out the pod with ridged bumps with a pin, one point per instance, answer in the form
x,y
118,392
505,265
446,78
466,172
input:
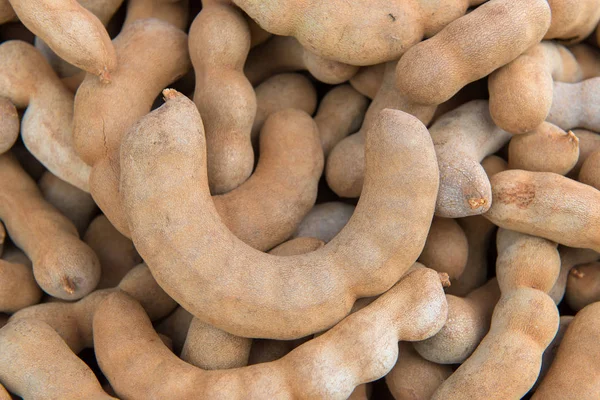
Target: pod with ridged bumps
x,y
63,265
74,33
29,82
574,371
317,283
547,205
35,363
151,55
576,105
413,309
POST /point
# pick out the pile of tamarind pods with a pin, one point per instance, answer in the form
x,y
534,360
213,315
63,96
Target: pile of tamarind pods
x,y
299,199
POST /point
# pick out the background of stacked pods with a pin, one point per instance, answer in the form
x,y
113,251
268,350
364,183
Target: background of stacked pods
x,y
252,199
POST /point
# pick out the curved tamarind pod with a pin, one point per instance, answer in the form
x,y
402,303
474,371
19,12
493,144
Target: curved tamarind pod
x,y
280,92
524,323
590,170
296,246
63,265
72,32
219,42
345,170
174,12
73,321
211,348
574,372
29,82
318,283
9,130
446,249
547,205
589,142
18,288
462,139
176,326
576,105
414,309
35,363
550,353
570,257
468,322
413,377
360,33
521,92
367,80
285,54
340,113
572,20
151,55
502,28
116,253
325,220
546,149
72,202
583,286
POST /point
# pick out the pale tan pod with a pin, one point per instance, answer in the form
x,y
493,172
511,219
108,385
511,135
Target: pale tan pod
x,y
413,377
588,58
367,80
574,372
280,92
576,105
116,253
446,248
325,220
551,350
72,202
590,170
572,20
569,258
299,245
174,12
583,286
589,142
18,288
9,124
176,326
74,33
211,348
546,149
285,54
35,363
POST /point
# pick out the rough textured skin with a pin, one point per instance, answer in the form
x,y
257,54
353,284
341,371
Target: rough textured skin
x,y
521,92
547,205
73,203
151,55
18,288
219,44
589,142
345,171
63,265
583,286
413,377
285,54
590,170
340,113
573,20
329,366
316,284
576,105
588,58
299,245
434,70
367,80
10,128
211,348
266,209
73,321
280,92
546,149
325,221
35,363
28,81
446,249
569,258
365,32
116,253
468,322
574,372
72,32
462,139
551,350
507,361
174,12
